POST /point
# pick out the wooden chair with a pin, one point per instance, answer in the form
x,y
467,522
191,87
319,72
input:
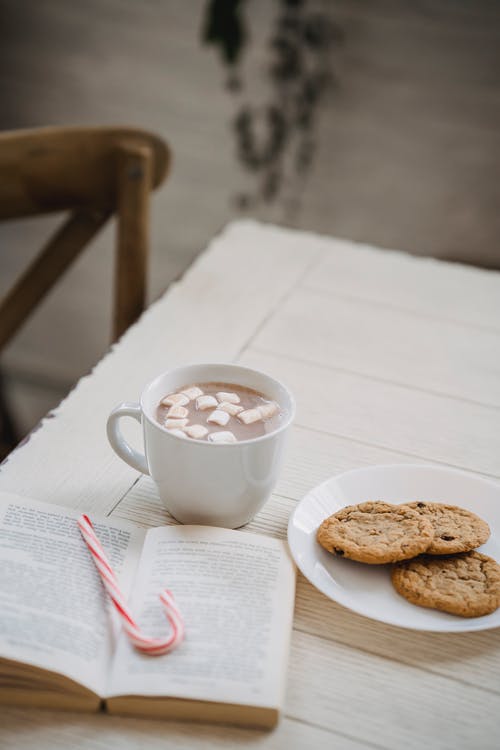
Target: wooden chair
x,y
93,173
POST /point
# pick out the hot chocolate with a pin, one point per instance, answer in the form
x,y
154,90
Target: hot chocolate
x,y
218,413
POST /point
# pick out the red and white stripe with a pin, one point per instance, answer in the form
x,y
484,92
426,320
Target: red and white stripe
x,y
153,646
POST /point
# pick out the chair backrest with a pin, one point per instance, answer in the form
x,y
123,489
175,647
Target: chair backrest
x,y
93,173
58,169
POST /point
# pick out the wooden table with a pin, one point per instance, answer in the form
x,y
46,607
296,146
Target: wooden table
x,y
405,354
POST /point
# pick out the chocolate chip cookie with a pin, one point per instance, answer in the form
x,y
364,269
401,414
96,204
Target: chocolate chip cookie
x,y
467,584
376,533
455,529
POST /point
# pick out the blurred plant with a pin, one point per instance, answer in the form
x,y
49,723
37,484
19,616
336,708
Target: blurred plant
x,y
277,140
224,28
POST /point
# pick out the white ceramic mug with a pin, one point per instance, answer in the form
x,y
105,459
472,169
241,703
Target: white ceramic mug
x,y
218,484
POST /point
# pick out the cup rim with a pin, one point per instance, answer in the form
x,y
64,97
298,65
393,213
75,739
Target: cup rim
x,y
259,439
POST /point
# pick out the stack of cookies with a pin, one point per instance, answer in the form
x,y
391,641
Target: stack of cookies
x,y
432,547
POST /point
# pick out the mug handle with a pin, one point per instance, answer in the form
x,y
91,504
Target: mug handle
x,y
132,457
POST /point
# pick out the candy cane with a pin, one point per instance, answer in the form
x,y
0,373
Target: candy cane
x,y
153,646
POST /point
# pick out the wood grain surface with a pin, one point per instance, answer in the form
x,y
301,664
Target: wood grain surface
x,y
425,391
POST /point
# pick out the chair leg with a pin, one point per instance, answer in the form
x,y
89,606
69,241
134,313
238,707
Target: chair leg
x,y
9,437
134,186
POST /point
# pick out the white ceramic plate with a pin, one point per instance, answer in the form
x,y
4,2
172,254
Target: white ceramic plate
x,y
367,589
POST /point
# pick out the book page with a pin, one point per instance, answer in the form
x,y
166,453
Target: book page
x,y
236,593
54,611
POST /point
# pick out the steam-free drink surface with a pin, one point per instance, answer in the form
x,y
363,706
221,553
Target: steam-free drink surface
x,y
218,412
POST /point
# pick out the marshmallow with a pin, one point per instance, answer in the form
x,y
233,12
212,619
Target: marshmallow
x,y
196,431
249,416
231,409
222,437
192,392
175,423
205,402
178,433
175,399
219,417
268,410
177,412
233,398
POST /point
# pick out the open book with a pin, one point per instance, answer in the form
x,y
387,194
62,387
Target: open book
x,y
60,641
